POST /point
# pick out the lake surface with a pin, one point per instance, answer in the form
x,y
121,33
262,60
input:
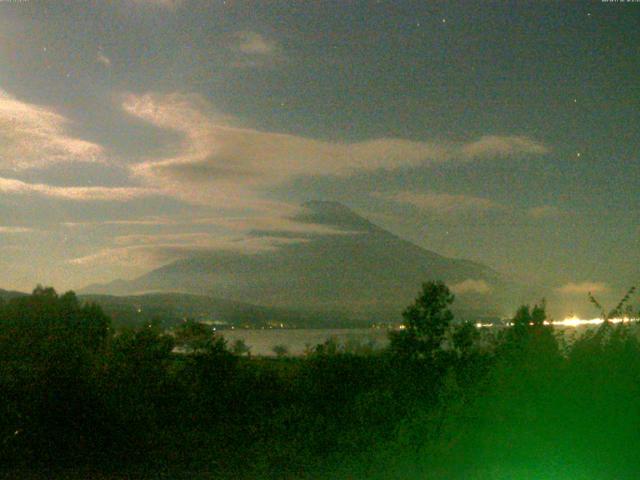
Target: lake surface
x,y
298,341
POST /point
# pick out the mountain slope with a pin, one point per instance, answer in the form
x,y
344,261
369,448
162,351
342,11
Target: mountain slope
x,y
172,308
7,295
364,271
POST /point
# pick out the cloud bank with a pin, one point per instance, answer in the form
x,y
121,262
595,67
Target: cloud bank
x,y
33,136
471,286
120,194
252,43
545,211
222,163
583,288
152,251
223,167
444,203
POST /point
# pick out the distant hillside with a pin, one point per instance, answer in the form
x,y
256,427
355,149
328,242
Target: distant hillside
x,y
171,308
9,294
363,273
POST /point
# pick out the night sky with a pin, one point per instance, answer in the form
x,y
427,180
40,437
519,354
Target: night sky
x,y
136,132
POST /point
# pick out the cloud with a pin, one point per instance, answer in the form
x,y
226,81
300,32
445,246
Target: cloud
x,y
545,211
252,43
103,59
471,286
17,187
229,168
583,288
220,163
168,4
503,146
152,221
444,203
246,225
271,224
14,230
151,251
252,49
204,239
33,136
245,235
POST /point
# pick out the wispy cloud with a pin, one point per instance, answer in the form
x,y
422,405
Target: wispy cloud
x,y
241,234
444,203
197,238
253,43
583,288
244,226
150,251
272,224
34,136
18,187
168,4
14,230
153,221
222,166
503,146
471,286
544,211
253,49
103,59
218,162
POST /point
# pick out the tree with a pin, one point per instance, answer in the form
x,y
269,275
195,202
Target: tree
x,y
192,336
618,311
464,337
426,322
594,343
240,347
50,346
280,350
136,386
530,340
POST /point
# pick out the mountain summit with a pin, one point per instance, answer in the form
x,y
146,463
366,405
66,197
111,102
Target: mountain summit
x,y
360,270
335,214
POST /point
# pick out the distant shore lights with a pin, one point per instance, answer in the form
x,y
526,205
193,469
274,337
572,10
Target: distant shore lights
x,y
569,322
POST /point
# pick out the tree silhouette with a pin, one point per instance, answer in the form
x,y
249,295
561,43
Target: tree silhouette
x,y
616,311
192,336
49,348
425,322
464,337
280,350
240,347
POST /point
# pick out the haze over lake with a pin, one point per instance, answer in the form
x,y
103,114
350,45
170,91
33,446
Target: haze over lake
x,y
298,341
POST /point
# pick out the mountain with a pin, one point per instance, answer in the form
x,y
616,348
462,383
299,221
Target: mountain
x,y
361,272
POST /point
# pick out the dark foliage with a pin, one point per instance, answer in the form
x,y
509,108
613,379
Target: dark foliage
x,y
445,401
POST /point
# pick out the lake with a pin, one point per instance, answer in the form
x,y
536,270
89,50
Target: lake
x,y
299,340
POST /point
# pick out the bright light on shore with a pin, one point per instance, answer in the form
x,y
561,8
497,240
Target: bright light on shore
x,y
577,322
568,322
483,325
